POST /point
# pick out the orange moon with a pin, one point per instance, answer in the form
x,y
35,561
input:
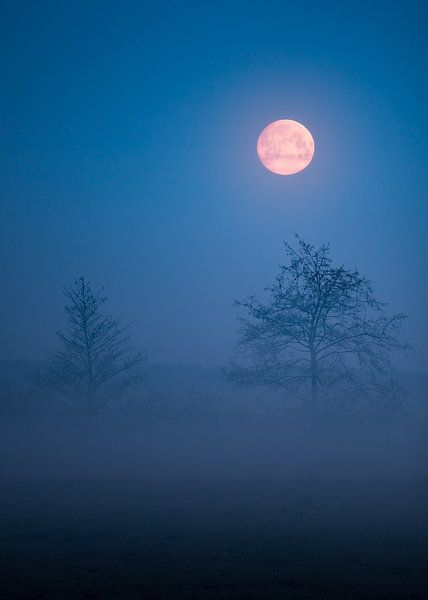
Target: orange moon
x,y
285,147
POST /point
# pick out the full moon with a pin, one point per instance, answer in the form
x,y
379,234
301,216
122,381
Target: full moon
x,y
285,147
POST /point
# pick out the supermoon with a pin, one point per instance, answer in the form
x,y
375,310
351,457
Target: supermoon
x,y
285,147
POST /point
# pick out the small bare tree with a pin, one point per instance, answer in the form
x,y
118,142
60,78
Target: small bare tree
x,y
321,333
94,367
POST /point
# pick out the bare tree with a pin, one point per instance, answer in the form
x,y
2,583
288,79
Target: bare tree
x,y
94,367
320,334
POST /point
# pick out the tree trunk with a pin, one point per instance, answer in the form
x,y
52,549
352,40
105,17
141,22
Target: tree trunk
x,y
314,384
90,396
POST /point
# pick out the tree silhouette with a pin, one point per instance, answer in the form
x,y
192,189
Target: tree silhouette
x,y
321,334
94,367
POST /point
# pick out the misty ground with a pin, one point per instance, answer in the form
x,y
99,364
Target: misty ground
x,y
129,539
176,511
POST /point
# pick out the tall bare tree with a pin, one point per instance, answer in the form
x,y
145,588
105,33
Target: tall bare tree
x,y
320,333
94,366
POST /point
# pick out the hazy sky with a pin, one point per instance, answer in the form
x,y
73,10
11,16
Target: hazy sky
x,y
127,153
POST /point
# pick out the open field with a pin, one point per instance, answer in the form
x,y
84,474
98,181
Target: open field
x,y
178,540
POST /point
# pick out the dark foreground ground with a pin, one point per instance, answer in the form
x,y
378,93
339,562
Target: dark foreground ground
x,y
132,539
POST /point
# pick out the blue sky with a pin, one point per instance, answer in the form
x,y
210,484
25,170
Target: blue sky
x,y
127,153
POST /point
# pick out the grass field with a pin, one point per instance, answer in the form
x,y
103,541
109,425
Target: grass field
x,y
250,540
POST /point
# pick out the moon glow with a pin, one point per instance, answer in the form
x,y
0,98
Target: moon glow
x,y
285,147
